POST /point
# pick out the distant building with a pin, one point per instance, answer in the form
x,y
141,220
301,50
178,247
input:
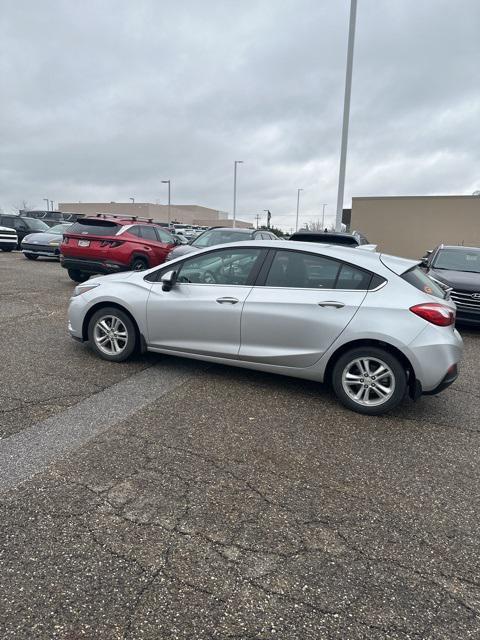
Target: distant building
x,y
183,213
410,225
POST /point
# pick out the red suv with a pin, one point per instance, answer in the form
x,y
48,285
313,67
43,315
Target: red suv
x,y
107,244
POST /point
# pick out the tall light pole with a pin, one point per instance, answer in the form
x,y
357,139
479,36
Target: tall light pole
x,y
51,202
168,182
324,204
298,207
235,190
133,200
346,114
48,203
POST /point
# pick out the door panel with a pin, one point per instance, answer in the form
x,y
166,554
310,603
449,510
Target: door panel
x,y
202,311
189,318
289,327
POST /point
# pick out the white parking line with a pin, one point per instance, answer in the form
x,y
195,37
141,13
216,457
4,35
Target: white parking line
x,y
26,453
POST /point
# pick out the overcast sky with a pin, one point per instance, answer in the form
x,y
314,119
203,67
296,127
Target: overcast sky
x,y
102,99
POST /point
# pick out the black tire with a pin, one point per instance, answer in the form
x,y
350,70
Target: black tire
x,y
7,248
395,381
139,264
78,276
131,339
30,256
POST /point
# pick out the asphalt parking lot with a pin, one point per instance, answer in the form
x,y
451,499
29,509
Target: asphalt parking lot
x,y
162,498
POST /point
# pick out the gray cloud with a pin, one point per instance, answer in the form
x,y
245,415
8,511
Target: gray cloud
x,y
103,100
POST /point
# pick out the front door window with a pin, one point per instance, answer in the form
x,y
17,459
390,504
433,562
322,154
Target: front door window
x,y
226,267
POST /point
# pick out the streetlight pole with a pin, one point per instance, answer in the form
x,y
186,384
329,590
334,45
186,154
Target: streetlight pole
x,y
51,202
324,204
346,115
133,200
168,182
298,208
235,190
48,203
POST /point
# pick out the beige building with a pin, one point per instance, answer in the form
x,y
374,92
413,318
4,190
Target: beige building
x,y
409,225
183,213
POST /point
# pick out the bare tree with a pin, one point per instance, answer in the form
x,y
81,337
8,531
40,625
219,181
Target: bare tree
x,y
24,207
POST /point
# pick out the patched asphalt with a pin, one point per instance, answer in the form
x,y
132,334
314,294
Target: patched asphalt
x,y
234,505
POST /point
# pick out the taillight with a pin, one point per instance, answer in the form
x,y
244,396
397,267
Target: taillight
x,y
110,243
435,313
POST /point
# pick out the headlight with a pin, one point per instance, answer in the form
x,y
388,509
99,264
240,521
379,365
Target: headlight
x,y
83,288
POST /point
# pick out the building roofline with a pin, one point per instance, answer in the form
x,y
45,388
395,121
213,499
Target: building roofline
x,y
470,197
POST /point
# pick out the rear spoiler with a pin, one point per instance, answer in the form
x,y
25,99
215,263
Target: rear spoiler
x,y
367,247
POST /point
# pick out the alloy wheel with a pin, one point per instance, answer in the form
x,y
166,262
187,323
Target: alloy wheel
x,y
368,381
110,335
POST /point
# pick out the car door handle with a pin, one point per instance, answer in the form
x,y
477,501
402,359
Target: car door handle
x,y
331,303
227,300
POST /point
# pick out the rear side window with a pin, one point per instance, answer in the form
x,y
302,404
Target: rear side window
x,y
353,278
164,236
95,227
302,271
148,233
419,279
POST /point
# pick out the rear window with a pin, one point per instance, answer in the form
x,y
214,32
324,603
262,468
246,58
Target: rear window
x,y
95,227
419,279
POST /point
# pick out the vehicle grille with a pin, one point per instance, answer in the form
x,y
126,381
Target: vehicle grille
x,y
7,232
466,299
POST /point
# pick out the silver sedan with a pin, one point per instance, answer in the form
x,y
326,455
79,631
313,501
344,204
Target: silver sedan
x,y
373,326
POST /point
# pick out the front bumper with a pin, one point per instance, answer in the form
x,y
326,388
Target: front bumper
x,y
92,266
8,244
41,250
469,317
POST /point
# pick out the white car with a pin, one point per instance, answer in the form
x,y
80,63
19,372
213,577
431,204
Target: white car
x,y
8,239
374,326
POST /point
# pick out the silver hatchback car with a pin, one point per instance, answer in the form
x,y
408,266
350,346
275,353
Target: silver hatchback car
x,y
373,326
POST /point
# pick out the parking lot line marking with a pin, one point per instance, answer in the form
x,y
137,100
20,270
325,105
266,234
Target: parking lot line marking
x,y
24,454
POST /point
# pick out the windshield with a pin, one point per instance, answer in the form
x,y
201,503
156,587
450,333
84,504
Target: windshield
x,y
59,228
220,236
37,225
458,260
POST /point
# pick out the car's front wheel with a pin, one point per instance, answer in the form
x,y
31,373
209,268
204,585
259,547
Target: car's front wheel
x,y
369,380
111,334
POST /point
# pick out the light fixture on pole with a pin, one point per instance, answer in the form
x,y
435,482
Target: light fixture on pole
x,y
324,204
48,203
235,190
133,200
346,115
298,208
168,182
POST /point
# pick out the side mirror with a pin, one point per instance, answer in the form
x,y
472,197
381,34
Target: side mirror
x,y
424,262
168,280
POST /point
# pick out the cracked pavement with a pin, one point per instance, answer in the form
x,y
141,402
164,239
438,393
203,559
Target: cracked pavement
x,y
238,505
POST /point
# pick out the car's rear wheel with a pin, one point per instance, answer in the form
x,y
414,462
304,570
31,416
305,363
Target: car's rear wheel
x,y
139,264
78,276
30,256
111,334
369,380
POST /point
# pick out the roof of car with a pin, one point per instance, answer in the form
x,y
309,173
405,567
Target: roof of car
x,y
459,247
309,232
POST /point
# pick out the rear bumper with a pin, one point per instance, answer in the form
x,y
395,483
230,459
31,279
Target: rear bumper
x,y
450,377
92,266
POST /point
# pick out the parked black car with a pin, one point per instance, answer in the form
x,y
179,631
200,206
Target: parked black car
x,y
354,239
220,235
458,268
22,225
51,217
